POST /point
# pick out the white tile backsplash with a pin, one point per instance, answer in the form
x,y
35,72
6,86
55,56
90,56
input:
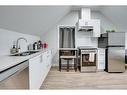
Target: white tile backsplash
x,y
85,39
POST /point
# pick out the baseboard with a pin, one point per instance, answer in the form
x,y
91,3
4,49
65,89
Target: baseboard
x,y
55,65
100,70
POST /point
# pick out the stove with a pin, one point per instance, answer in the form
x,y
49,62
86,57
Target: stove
x,y
88,56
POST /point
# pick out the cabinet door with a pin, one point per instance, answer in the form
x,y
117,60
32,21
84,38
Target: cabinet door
x,y
101,65
45,58
43,68
34,72
96,25
45,65
101,59
49,58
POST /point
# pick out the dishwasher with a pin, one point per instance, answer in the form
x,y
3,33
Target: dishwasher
x,y
15,77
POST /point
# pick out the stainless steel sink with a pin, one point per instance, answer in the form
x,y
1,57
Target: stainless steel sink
x,y
25,53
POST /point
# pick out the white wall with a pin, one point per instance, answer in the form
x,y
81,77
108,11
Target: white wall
x,y
106,23
8,37
51,37
125,40
118,15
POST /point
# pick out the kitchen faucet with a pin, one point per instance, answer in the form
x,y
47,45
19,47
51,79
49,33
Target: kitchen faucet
x,y
18,42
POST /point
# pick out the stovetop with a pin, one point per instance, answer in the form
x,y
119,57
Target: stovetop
x,y
86,47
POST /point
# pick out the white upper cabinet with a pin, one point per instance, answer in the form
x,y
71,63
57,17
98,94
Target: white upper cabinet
x,y
96,30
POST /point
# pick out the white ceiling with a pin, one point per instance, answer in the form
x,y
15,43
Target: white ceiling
x,y
37,20
116,14
33,20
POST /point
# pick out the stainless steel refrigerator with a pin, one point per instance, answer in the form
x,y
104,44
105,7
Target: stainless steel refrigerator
x,y
115,52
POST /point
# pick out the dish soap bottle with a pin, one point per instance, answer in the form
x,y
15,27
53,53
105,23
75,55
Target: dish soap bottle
x,y
13,49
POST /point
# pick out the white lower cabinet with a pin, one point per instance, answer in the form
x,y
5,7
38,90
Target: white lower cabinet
x,y
101,59
34,72
39,67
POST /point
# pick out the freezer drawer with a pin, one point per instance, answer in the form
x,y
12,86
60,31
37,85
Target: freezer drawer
x,y
116,59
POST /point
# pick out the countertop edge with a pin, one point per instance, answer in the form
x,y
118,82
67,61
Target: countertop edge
x,y
21,59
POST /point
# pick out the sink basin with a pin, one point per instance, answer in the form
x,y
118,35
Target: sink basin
x,y
25,53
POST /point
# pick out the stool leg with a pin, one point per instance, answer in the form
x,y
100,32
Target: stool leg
x,y
75,65
60,64
67,65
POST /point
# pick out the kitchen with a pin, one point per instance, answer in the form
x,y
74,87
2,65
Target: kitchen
x,y
78,41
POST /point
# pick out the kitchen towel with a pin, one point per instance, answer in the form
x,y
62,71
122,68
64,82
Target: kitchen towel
x,y
91,57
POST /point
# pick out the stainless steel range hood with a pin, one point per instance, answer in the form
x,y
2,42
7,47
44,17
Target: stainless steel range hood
x,y
85,23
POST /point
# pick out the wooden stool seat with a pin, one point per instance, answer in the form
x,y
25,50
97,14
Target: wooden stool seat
x,y
67,57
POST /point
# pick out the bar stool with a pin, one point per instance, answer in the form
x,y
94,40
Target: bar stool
x,y
68,58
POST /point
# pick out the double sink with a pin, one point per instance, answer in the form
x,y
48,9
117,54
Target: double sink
x,y
24,53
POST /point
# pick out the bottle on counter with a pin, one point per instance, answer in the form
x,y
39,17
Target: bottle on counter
x,y
13,49
39,44
35,46
30,47
45,45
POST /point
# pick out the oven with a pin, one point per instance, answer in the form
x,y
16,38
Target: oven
x,y
88,60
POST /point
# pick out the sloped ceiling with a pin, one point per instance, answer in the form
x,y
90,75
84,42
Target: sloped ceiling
x,y
117,15
33,20
37,20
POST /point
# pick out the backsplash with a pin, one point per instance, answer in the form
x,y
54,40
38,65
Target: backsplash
x,y
7,39
86,39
